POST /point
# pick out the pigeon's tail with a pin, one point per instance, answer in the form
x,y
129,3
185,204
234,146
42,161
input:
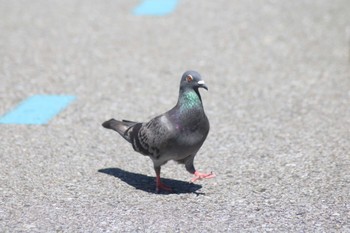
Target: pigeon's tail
x,y
122,127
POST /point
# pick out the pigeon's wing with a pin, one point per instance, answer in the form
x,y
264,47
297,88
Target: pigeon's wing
x,y
153,137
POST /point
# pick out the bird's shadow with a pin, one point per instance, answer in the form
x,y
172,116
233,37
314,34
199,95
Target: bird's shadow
x,y
147,183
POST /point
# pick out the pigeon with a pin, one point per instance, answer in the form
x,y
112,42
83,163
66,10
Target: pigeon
x,y
177,134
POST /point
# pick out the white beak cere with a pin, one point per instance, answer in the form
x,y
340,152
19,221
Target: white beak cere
x,y
201,82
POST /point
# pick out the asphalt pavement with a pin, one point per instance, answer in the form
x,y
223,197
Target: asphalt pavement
x,y
278,104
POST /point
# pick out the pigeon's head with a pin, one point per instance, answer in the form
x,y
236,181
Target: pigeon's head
x,y
192,79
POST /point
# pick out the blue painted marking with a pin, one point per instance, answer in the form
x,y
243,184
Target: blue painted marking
x,y
155,7
37,109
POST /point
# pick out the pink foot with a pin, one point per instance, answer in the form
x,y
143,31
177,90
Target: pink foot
x,y
160,186
199,176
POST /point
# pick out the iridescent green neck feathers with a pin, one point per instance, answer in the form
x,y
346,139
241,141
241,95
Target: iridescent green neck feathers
x,y
189,99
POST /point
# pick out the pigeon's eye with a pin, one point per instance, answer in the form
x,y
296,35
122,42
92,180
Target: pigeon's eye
x,y
189,78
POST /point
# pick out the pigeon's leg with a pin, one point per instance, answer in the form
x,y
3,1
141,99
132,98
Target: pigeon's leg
x,y
159,184
198,175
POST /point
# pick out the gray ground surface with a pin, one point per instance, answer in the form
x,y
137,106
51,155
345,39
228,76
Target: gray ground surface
x,y
278,103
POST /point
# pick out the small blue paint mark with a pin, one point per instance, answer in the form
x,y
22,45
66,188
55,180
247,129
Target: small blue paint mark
x,y
155,7
37,109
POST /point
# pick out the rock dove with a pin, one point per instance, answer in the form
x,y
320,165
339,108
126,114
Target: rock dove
x,y
177,134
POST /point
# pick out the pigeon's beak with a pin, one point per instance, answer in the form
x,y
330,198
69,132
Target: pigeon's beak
x,y
201,83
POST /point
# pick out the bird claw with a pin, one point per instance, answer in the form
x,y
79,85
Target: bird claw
x,y
160,186
199,176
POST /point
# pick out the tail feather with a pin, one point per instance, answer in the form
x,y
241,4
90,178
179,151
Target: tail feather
x,y
121,127
129,122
